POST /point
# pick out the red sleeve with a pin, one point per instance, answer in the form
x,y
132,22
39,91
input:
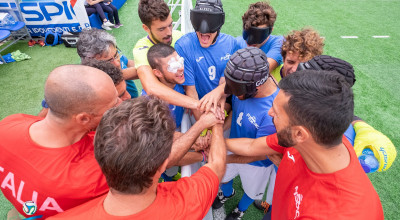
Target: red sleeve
x,y
272,142
200,190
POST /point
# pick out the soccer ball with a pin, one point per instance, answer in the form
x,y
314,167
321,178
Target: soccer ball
x,y
29,207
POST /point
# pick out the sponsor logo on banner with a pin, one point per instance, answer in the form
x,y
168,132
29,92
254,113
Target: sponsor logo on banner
x,y
41,16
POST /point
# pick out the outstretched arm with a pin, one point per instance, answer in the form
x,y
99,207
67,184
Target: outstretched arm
x,y
184,141
153,86
217,154
130,73
252,147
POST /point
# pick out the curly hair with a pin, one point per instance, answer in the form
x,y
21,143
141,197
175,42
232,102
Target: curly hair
x,y
132,141
307,42
114,72
94,42
259,13
150,10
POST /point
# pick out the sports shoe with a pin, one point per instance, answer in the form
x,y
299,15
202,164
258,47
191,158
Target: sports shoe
x,y
118,25
262,205
108,24
31,43
41,43
221,199
106,27
236,214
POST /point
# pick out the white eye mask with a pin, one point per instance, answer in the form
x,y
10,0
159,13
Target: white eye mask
x,y
175,63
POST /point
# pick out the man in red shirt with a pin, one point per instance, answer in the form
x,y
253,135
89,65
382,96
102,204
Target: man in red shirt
x,y
319,176
132,146
50,160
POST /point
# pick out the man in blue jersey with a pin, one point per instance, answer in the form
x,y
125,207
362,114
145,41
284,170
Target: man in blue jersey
x,y
168,67
206,52
247,78
258,24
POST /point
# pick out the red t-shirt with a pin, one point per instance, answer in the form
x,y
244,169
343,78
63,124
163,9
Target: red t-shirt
x,y
302,194
56,179
187,198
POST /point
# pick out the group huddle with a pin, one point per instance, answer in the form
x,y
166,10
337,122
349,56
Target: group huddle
x,y
270,109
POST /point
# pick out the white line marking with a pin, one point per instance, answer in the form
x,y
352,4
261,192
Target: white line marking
x,y
349,36
385,36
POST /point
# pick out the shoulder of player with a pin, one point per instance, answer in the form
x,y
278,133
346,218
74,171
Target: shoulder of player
x,y
19,118
226,37
143,43
82,211
186,39
276,38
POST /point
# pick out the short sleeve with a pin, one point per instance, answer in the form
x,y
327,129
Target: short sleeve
x,y
272,142
275,50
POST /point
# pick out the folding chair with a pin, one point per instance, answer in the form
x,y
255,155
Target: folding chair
x,y
17,31
4,34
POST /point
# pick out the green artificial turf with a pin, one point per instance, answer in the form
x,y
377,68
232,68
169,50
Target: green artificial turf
x,y
376,62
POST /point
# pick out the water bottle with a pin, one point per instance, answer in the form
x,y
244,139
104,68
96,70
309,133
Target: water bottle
x,y
368,161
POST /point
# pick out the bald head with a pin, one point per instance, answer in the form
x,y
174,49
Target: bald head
x,y
72,89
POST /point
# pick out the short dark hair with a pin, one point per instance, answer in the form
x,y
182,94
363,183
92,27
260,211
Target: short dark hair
x,y
158,51
259,13
321,101
114,72
150,10
132,141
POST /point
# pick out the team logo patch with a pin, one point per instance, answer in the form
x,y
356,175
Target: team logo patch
x,y
199,59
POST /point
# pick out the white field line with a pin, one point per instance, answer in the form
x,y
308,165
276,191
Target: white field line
x,y
349,37
383,36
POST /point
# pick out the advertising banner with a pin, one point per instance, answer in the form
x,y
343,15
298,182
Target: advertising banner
x,y
41,16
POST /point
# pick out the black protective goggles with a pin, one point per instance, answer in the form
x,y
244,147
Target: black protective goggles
x,y
209,22
256,35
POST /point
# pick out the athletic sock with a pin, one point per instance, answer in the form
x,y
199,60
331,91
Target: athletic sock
x,y
227,188
245,202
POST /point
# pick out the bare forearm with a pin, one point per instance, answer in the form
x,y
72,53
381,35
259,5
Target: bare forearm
x,y
190,158
192,93
249,146
130,73
183,143
234,158
272,64
217,154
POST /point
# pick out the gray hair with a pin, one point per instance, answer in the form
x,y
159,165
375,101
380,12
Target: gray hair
x,y
94,42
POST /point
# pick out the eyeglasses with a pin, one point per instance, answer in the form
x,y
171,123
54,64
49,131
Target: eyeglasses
x,y
116,56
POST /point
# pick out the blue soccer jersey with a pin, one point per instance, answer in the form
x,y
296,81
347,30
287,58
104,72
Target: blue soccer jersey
x,y
204,67
130,85
177,111
250,119
272,48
